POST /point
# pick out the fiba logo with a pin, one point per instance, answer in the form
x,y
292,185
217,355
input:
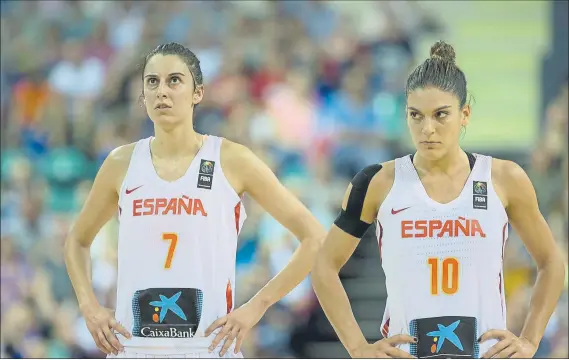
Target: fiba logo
x,y
480,195
480,188
205,176
207,167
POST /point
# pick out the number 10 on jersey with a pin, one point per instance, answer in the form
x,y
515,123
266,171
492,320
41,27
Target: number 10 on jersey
x,y
448,267
173,239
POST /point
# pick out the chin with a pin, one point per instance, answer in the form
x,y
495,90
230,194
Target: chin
x,y
166,122
431,153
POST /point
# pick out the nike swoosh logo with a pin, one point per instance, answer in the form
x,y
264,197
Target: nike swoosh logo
x,y
393,212
128,191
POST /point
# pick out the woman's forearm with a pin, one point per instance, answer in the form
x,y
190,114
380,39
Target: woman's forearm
x,y
288,278
546,292
78,263
336,305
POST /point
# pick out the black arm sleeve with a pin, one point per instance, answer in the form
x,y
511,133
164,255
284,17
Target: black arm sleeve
x,y
349,220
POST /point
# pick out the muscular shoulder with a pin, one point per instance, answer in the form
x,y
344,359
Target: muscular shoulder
x,y
121,155
510,180
116,165
506,173
237,162
369,188
382,181
233,153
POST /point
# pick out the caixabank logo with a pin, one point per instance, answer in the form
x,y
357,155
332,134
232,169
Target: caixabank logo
x,y
447,337
167,312
445,333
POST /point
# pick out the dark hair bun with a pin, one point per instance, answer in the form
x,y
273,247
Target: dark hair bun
x,y
443,51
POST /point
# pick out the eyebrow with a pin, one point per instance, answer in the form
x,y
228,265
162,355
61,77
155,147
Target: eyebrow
x,y
172,74
437,109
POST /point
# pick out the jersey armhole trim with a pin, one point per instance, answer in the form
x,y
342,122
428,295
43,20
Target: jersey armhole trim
x,y
389,196
226,182
493,189
124,180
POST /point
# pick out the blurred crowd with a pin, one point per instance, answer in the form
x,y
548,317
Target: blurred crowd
x,y
315,88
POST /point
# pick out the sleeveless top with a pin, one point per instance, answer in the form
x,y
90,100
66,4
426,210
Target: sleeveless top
x,y
443,262
176,251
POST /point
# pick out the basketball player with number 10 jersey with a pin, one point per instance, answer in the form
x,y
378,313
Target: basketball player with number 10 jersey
x,y
449,256
442,218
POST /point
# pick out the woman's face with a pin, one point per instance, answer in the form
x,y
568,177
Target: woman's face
x,y
169,92
434,118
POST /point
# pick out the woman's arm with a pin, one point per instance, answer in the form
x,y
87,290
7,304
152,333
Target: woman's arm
x,y
521,204
528,222
360,206
99,207
247,173
255,178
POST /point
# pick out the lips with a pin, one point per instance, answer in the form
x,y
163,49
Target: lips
x,y
162,106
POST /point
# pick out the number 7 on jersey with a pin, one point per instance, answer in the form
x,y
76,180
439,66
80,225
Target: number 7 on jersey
x,y
173,238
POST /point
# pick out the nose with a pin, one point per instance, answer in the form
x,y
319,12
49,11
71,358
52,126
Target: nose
x,y
428,127
161,91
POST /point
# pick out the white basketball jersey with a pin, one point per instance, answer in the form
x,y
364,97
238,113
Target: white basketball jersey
x,y
176,252
443,260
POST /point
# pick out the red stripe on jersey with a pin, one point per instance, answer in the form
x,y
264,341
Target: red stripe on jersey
x,y
501,274
385,328
379,237
229,296
237,216
504,239
501,295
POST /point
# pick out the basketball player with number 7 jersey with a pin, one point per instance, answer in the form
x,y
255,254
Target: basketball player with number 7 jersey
x,y
442,219
178,195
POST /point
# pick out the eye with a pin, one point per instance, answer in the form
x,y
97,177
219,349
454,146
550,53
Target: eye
x,y
414,115
152,81
441,114
175,79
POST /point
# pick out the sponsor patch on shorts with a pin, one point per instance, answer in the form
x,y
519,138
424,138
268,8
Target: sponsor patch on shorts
x,y
167,312
444,337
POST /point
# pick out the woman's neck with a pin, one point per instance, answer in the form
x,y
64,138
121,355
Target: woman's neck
x,y
446,164
180,141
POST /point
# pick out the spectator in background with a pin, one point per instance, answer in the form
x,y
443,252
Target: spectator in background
x,y
291,111
125,21
77,65
31,98
98,47
76,22
354,128
77,81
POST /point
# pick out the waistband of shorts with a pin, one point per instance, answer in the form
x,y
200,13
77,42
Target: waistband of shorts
x,y
200,344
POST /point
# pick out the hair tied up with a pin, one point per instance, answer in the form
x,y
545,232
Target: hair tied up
x,y
439,71
443,51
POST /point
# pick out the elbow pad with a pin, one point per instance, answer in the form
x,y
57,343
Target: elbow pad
x,y
349,219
